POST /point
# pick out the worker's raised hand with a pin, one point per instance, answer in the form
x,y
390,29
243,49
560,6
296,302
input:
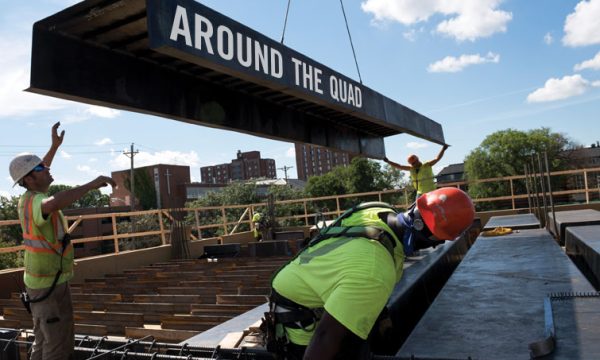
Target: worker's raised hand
x,y
57,139
102,181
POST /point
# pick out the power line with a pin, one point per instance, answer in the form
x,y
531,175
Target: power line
x,y
62,146
285,168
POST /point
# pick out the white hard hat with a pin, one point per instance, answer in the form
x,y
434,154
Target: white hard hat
x,y
22,165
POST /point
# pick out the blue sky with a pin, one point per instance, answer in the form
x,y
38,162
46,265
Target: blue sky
x,y
474,66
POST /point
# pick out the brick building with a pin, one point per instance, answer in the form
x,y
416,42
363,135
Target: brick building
x,y
168,182
314,160
246,166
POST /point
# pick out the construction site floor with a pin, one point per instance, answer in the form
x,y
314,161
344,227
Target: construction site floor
x,y
520,221
492,307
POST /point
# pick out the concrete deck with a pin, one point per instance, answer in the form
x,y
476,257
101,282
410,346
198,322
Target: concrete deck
x,y
521,221
565,219
582,243
492,306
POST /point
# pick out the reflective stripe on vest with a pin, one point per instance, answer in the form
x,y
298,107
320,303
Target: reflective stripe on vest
x,y
362,218
42,257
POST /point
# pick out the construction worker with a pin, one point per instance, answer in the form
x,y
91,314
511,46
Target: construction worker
x,y
326,300
421,174
48,251
258,221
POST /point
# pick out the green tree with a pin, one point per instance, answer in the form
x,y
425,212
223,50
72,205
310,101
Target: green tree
x,y
239,193
10,235
91,199
362,175
145,191
506,152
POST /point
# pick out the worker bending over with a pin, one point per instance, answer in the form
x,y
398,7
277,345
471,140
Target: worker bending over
x,y
421,174
326,300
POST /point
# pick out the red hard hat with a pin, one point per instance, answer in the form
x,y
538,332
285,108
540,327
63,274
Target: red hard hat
x,y
412,158
447,212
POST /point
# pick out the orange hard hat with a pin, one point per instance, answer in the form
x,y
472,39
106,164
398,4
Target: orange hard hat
x,y
412,158
447,212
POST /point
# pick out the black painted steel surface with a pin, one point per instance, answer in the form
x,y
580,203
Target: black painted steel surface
x,y
569,218
520,221
158,57
582,243
492,306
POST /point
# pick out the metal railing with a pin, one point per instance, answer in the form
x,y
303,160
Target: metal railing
x,y
213,221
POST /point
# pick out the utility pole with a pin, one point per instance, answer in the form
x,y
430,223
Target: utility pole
x,y
131,154
285,169
168,175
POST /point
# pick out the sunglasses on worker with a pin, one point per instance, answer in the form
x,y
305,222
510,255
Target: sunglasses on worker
x,y
39,168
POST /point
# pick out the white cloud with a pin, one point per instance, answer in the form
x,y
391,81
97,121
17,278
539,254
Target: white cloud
x,y
596,83
593,64
65,155
162,157
410,35
416,145
102,142
5,194
102,112
582,26
291,152
548,39
454,64
465,19
88,170
14,78
559,89
92,160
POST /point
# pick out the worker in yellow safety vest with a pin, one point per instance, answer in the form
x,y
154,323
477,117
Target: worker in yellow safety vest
x,y
48,251
326,300
258,221
421,174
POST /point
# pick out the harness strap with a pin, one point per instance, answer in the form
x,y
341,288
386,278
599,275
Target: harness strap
x,y
291,314
369,232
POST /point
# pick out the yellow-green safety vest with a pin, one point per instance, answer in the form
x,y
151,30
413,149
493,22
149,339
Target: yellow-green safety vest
x,y
43,246
422,180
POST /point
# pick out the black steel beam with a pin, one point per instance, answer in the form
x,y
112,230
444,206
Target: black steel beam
x,y
96,75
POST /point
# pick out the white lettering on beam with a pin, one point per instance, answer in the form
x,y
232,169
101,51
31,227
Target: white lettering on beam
x,y
181,26
343,91
310,75
252,54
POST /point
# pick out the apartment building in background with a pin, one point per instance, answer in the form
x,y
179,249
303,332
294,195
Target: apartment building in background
x,y
315,160
247,165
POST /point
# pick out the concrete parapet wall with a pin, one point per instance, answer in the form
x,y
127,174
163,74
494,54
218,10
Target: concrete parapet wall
x,y
239,238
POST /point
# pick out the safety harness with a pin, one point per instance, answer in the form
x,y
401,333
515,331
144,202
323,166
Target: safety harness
x,y
285,313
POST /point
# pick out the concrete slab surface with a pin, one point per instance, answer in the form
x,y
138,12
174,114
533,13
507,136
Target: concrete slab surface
x,y
520,221
492,306
583,244
565,219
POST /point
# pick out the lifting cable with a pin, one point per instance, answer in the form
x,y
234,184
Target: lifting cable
x,y
350,37
347,29
285,21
